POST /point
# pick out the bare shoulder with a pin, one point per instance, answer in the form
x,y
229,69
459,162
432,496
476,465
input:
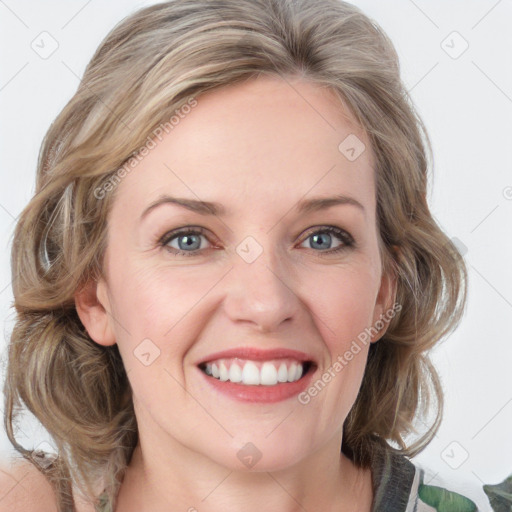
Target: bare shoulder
x,y
24,489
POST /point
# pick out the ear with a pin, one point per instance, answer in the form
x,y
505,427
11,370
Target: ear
x,y
93,308
385,306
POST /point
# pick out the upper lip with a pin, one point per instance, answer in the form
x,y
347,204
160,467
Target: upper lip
x,y
256,354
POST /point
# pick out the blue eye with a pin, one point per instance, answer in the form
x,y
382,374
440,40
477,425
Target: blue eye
x,y
188,241
323,238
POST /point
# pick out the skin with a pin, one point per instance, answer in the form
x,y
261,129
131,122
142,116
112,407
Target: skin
x,y
257,148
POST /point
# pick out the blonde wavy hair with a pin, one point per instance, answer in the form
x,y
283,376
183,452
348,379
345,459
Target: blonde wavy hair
x,y
147,67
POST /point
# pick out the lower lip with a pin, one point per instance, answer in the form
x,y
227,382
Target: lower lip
x,y
259,394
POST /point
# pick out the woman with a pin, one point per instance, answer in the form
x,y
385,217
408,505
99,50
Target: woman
x,y
228,278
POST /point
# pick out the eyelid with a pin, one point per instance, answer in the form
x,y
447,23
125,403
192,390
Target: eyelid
x,y
346,237
171,235
347,240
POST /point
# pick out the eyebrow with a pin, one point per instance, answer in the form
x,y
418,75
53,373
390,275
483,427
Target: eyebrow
x,y
212,208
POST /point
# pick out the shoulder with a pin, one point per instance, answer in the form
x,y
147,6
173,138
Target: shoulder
x,y
401,484
24,489
441,496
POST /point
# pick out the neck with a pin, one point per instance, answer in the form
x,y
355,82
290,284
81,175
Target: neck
x,y
157,479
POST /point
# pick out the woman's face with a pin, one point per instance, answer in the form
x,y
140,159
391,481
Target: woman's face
x,y
285,277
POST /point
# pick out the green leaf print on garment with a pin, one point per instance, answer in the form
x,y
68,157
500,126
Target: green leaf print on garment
x,y
500,495
102,505
445,501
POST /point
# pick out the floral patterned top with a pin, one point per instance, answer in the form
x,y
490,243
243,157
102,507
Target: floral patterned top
x,y
398,486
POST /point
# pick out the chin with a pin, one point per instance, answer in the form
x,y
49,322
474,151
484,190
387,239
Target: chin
x,y
257,453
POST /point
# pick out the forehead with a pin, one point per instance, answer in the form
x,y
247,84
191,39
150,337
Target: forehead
x,y
264,142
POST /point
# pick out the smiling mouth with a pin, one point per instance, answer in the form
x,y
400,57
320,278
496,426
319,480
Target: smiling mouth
x,y
257,373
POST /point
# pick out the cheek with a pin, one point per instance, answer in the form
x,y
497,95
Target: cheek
x,y
143,307
163,305
151,319
343,303
150,300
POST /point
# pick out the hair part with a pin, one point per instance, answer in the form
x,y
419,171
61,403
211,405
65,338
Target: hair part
x,y
148,67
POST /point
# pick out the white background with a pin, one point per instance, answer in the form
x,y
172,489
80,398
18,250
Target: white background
x,y
466,103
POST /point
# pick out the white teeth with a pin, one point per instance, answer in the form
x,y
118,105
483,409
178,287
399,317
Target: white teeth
x,y
292,372
224,375
252,374
282,374
235,373
268,374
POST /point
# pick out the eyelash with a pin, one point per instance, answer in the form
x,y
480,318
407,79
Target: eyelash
x,y
346,239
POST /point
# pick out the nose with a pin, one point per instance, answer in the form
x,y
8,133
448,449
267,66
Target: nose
x,y
261,293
